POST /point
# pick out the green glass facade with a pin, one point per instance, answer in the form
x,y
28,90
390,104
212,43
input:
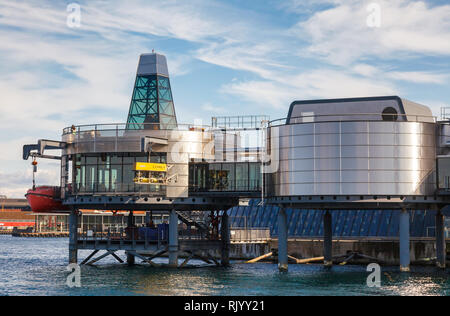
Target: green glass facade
x,y
112,173
152,104
225,177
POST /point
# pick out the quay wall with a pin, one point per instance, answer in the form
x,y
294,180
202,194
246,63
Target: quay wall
x,y
385,251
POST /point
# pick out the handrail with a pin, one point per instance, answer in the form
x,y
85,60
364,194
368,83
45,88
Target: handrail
x,y
131,127
409,117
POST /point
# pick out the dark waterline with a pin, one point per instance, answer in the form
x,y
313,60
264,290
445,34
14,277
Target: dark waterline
x,y
38,267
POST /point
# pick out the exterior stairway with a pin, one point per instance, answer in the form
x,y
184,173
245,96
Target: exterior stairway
x,y
195,218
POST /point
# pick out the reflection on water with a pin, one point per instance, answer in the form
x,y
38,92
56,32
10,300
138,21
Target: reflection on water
x,y
38,267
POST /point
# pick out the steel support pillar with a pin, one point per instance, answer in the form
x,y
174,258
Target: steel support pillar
x,y
441,252
405,256
282,240
130,222
327,239
225,236
73,236
131,260
173,239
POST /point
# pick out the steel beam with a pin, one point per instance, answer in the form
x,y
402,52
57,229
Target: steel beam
x,y
282,240
73,236
225,236
405,257
441,252
328,239
131,260
173,239
90,257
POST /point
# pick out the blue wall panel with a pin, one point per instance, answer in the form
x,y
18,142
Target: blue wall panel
x,y
351,223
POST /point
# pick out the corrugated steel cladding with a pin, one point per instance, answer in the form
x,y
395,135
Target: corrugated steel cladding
x,y
351,223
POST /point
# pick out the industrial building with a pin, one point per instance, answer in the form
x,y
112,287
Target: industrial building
x,y
327,156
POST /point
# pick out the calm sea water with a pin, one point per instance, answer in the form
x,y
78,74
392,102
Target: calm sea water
x,y
38,267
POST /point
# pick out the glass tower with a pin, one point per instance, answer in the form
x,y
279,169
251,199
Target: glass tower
x,y
152,102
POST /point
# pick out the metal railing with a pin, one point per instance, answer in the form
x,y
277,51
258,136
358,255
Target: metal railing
x,y
79,129
249,235
116,188
129,235
244,121
353,117
445,113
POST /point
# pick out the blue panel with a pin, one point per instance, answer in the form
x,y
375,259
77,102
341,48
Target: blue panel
x,y
253,216
273,218
348,223
340,222
239,214
367,220
375,223
293,227
317,224
319,231
384,224
418,224
300,221
257,217
232,214
291,223
356,227
394,227
266,218
307,225
430,224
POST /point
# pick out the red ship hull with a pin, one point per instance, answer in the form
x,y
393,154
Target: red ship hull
x,y
46,199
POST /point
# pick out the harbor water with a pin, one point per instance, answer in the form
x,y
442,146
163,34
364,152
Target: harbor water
x,y
32,266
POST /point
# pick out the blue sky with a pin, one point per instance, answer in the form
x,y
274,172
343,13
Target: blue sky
x,y
225,58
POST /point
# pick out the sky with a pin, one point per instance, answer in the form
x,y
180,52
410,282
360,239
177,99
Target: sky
x,y
234,57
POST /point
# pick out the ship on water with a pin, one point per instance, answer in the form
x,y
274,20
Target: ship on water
x,y
46,199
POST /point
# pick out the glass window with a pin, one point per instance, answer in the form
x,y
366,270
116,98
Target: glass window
x,y
255,177
444,173
129,160
228,177
91,160
116,177
91,173
116,160
128,178
242,177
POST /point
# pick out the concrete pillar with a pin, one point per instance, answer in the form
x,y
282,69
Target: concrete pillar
x,y
173,239
225,236
404,241
130,222
328,239
282,240
131,260
441,252
73,236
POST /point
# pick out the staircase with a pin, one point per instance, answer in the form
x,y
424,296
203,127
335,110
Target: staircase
x,y
195,218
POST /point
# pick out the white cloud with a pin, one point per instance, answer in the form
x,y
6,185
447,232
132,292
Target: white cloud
x,y
341,36
315,84
213,108
418,77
